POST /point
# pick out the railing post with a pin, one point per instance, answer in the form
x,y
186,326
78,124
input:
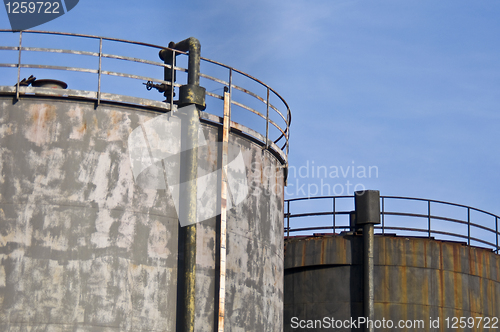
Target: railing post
x,y
429,218
468,226
230,91
333,206
383,216
99,73
496,228
267,119
19,65
172,80
352,221
287,219
288,118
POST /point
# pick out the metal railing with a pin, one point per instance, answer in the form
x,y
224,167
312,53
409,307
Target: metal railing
x,y
428,215
276,139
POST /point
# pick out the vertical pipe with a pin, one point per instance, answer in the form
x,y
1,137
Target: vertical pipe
x,y
189,276
194,62
367,204
19,65
190,213
369,298
99,73
193,95
223,215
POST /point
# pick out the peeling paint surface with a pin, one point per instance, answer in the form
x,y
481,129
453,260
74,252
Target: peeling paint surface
x,y
83,248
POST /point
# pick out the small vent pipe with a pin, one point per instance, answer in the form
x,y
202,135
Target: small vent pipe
x,y
367,205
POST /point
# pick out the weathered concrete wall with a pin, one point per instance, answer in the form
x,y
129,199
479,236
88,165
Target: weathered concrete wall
x,y
83,248
415,279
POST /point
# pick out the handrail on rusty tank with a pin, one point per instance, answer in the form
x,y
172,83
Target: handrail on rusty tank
x,y
280,124
308,226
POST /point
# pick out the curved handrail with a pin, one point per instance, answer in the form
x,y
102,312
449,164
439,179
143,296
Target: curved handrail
x,y
429,217
282,111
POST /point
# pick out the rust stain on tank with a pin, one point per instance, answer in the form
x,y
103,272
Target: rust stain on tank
x,y
404,284
304,253
402,250
457,285
487,266
441,276
344,248
457,265
83,128
425,254
385,285
96,124
425,291
479,264
323,249
475,299
78,121
385,309
490,289
441,263
116,118
471,262
498,269
42,118
43,113
414,253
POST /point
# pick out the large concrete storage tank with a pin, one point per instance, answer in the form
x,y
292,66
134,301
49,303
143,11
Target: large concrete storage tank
x,y
432,270
85,247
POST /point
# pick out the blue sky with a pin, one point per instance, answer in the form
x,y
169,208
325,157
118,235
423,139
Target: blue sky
x,y
410,87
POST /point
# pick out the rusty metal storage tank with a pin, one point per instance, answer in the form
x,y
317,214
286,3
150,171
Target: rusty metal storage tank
x,y
434,263
84,245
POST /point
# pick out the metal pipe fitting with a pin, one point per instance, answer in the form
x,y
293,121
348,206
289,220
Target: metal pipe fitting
x,y
193,47
192,92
